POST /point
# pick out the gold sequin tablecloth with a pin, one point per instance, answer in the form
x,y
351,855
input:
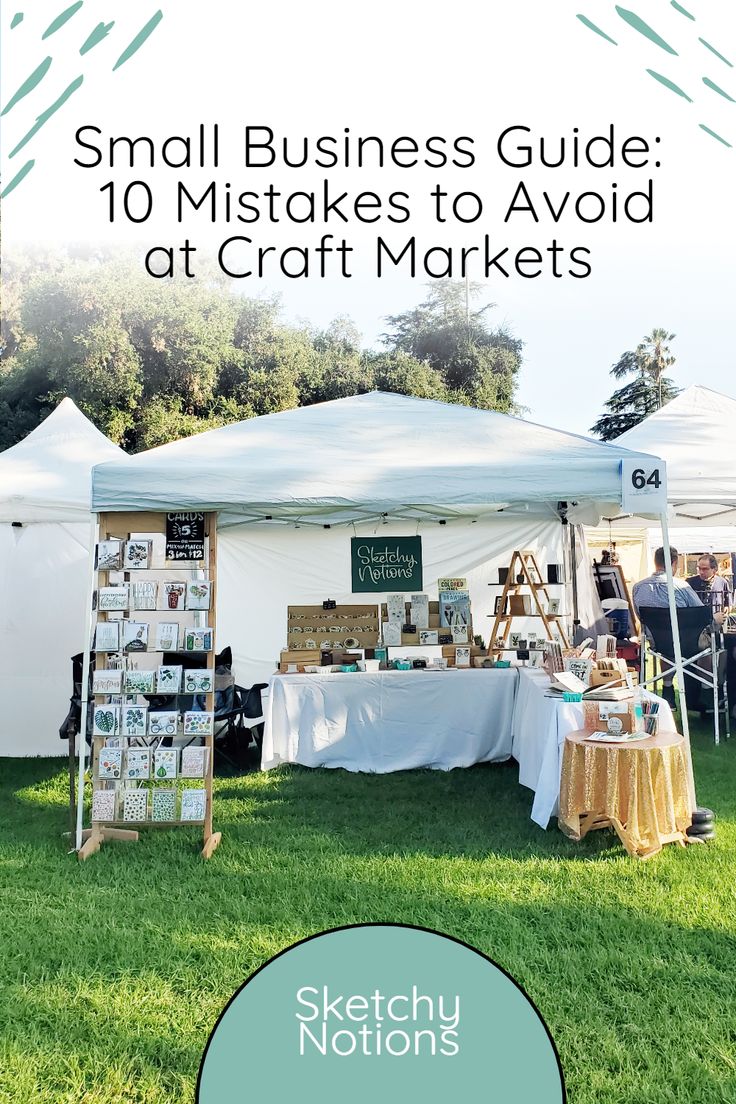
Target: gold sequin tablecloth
x,y
639,788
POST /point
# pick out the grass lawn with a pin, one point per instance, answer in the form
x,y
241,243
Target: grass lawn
x,y
113,972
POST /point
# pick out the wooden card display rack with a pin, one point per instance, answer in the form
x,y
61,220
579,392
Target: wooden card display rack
x,y
524,595
315,629
140,777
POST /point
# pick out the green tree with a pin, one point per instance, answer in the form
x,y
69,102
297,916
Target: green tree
x,y
649,391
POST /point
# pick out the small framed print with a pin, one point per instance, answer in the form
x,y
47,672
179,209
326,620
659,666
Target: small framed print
x,y
163,723
113,598
199,724
429,636
174,595
553,606
110,763
199,594
107,681
138,763
462,657
137,555
164,763
167,637
109,555
199,681
133,720
168,680
139,682
198,640
105,720
500,604
135,636
459,634
515,640
107,636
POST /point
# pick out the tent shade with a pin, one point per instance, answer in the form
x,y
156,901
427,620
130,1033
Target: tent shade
x,y
358,458
694,435
46,477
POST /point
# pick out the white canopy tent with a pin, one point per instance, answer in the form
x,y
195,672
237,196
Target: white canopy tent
x,y
290,488
44,548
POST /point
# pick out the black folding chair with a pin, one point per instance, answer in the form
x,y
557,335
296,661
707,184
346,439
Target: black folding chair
x,y
691,622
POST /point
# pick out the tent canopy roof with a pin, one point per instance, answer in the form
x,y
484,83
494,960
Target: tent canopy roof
x,y
46,476
694,435
358,458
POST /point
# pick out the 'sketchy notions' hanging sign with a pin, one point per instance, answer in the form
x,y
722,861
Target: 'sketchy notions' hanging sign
x,y
386,563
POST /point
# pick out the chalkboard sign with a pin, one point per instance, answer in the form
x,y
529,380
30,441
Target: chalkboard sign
x,y
185,536
381,564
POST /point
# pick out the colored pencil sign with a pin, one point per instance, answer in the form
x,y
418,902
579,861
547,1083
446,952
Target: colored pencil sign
x,y
386,563
185,536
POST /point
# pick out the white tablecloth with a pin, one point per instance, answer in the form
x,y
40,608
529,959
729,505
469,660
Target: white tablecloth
x,y
540,725
390,720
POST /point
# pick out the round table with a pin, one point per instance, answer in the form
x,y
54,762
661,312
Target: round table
x,y
637,787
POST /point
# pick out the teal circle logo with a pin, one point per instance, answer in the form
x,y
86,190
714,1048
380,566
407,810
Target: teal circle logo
x,y
378,1013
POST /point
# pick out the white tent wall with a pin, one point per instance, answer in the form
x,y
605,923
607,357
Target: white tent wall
x,y
262,569
43,581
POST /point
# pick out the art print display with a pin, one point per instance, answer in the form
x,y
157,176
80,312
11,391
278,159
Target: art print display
x,y
420,610
199,594
135,806
134,636
462,657
137,555
109,555
167,637
138,763
455,608
168,680
553,606
163,804
174,595
107,636
194,762
391,633
193,804
199,681
104,803
459,634
133,720
105,720
396,607
139,682
199,724
164,763
144,595
198,640
428,636
163,722
113,598
108,681
110,763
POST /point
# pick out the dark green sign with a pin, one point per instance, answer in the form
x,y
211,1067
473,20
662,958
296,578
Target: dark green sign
x,y
383,564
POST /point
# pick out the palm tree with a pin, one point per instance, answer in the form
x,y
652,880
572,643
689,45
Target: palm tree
x,y
642,396
652,358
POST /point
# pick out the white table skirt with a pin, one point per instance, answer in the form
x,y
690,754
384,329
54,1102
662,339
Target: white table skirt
x,y
540,725
390,720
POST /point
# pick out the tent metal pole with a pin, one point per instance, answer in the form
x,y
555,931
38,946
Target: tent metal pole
x,y
93,534
678,653
574,578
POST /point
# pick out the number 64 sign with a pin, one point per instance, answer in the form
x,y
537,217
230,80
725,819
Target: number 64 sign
x,y
643,486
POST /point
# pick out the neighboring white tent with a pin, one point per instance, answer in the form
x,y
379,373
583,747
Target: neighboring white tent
x,y
355,465
44,542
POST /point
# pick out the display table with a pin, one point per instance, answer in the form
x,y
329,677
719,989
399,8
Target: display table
x,y
639,788
540,725
390,720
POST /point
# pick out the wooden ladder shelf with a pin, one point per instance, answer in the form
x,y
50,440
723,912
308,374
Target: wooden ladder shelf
x,y
524,565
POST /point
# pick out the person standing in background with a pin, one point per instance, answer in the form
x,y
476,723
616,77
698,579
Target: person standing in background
x,y
710,587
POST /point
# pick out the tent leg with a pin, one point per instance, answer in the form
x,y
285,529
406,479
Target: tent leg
x,y
93,533
678,654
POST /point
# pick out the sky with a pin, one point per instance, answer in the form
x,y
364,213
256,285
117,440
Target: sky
x,y
413,69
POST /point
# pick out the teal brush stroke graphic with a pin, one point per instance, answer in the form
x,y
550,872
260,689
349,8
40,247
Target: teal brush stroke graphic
x,y
101,31
17,18
46,115
17,178
677,7
639,25
62,19
587,23
139,39
714,51
669,84
714,135
28,84
709,84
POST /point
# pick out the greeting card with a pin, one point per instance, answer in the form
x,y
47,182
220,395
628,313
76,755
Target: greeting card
x,y
198,640
133,720
107,681
163,723
428,636
420,610
168,680
167,637
396,606
139,682
109,555
107,636
193,804
135,806
144,595
164,763
138,762
103,804
199,724
110,762
194,762
174,595
462,657
199,681
163,804
137,555
105,720
113,598
134,636
199,594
